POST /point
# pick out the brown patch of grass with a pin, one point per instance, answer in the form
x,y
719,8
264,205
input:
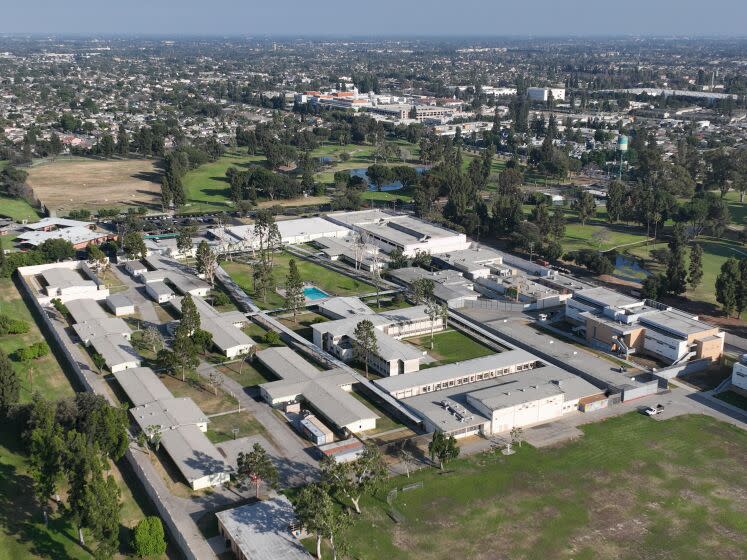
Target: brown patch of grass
x,y
67,184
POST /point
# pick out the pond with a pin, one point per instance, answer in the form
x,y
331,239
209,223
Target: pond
x,y
326,159
393,186
629,268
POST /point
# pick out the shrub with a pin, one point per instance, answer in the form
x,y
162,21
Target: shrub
x,y
220,298
148,538
272,338
8,325
32,352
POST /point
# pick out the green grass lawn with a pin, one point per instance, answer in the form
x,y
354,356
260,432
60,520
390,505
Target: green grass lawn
x,y
246,374
385,422
220,427
209,402
737,209
631,488
43,375
451,346
329,281
715,252
17,209
207,187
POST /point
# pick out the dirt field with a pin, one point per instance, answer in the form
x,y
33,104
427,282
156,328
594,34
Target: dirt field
x,y
69,184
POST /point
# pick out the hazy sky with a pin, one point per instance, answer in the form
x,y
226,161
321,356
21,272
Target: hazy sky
x,y
377,17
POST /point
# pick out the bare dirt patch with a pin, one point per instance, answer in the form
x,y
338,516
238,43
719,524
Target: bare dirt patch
x,y
65,185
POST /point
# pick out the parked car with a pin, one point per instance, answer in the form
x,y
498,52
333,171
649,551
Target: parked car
x,y
653,411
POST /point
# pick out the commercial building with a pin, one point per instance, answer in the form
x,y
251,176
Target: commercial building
x,y
79,234
615,322
398,231
393,357
292,232
326,392
228,337
543,94
264,530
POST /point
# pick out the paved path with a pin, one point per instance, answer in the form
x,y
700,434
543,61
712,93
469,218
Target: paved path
x,y
291,447
136,293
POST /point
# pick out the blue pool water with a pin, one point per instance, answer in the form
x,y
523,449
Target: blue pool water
x,y
314,293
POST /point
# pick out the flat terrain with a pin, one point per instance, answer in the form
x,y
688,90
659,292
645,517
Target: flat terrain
x,y
207,187
43,375
630,488
67,184
330,281
715,253
451,346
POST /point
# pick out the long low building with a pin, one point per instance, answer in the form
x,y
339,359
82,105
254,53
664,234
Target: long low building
x,y
292,232
181,425
327,392
117,352
401,231
228,337
142,386
494,406
491,394
458,373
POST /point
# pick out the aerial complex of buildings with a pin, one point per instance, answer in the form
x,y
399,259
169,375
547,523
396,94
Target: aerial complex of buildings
x,y
552,346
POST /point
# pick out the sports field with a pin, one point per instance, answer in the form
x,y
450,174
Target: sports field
x,y
73,183
631,487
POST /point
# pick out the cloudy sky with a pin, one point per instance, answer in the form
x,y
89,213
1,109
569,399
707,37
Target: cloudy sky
x,y
377,17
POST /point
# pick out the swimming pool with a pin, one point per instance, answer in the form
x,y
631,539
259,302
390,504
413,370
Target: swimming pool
x,y
312,293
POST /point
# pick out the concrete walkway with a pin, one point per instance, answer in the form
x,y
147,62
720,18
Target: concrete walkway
x,y
290,446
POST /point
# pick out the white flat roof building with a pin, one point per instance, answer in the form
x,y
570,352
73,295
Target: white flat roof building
x,y
327,392
142,386
262,531
117,352
292,232
401,231
182,424
120,305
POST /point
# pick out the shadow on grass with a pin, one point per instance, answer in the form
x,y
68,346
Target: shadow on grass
x,y
20,516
